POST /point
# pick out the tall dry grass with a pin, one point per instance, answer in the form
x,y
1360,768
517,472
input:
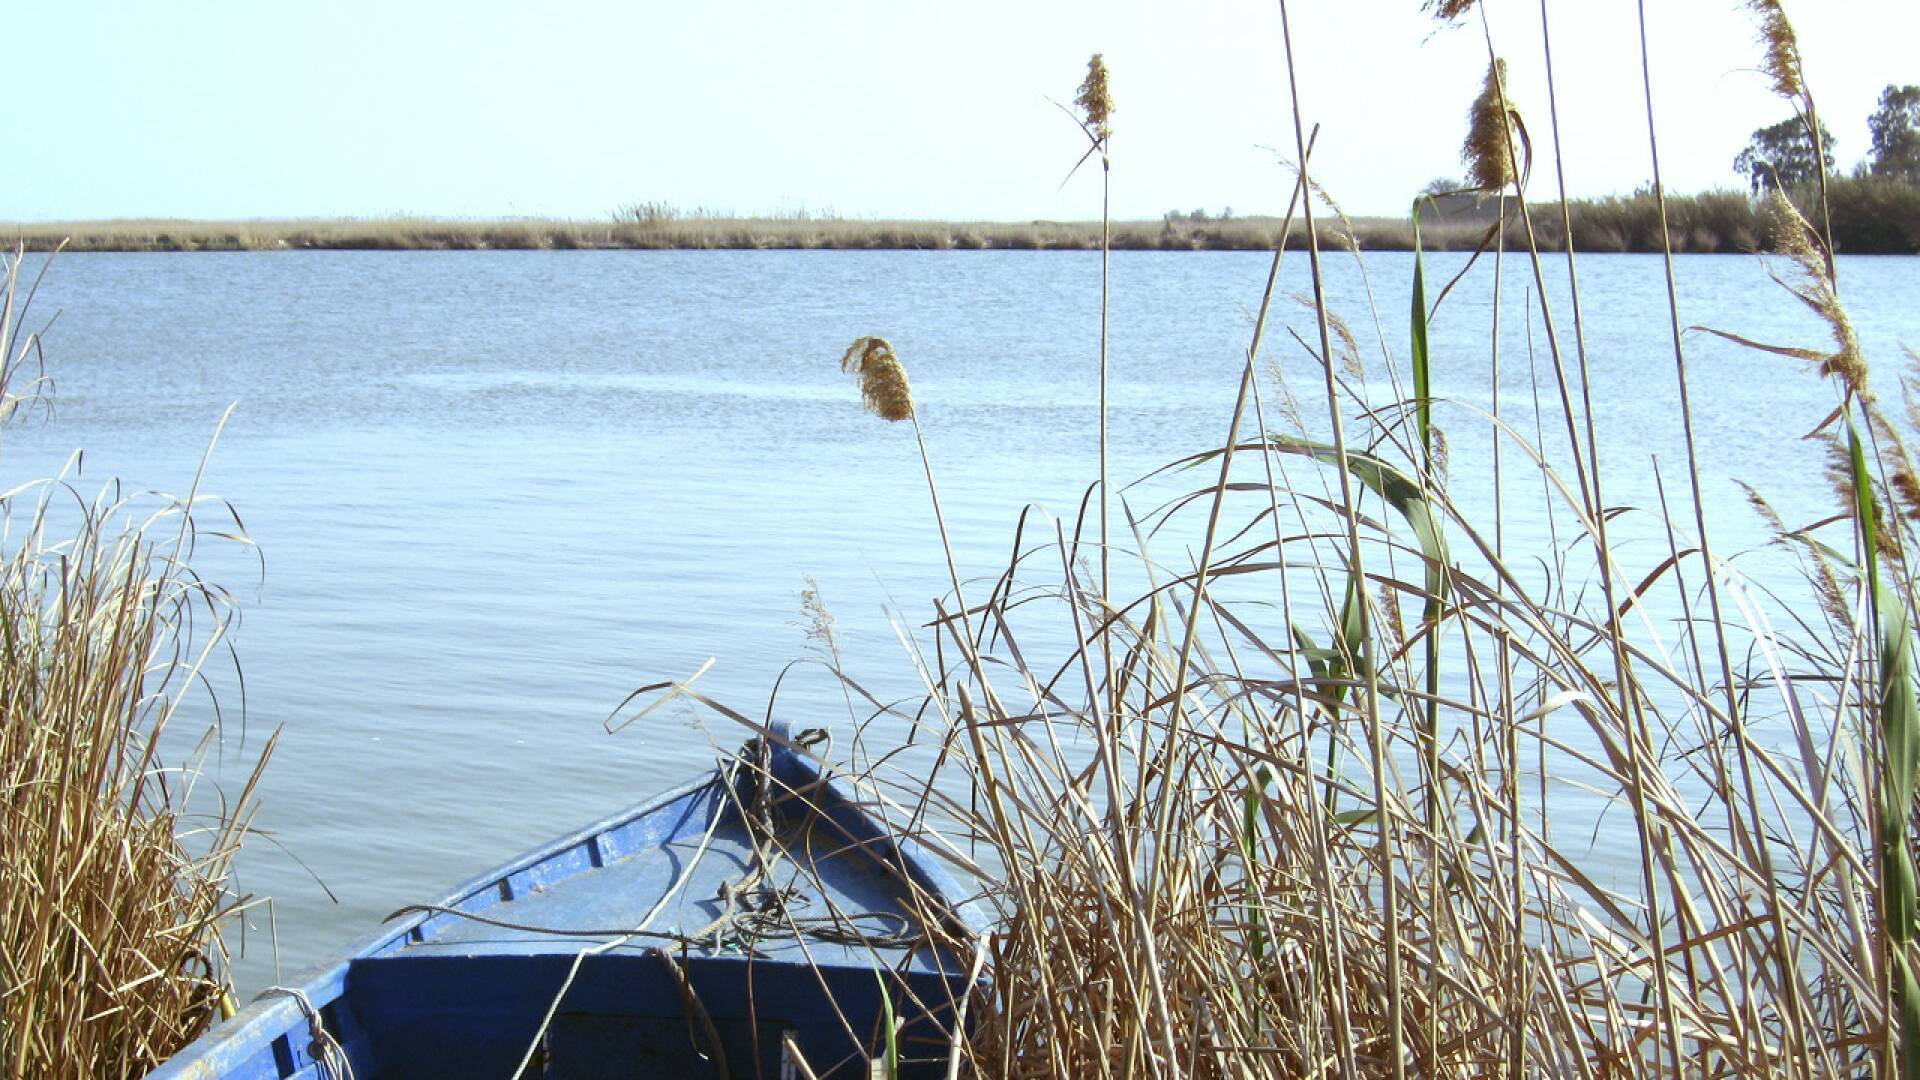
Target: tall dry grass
x,y
1370,792
116,865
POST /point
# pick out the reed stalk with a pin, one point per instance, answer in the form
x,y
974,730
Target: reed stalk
x,y
1095,100
1356,567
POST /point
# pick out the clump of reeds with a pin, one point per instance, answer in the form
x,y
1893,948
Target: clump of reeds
x,y
116,888
1294,831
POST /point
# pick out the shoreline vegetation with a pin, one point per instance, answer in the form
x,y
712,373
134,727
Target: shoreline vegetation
x,y
118,845
1868,217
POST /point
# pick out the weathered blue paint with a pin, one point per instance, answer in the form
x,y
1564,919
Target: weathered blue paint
x,y
435,994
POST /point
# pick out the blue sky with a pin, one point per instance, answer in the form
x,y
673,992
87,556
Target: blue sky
x,y
869,109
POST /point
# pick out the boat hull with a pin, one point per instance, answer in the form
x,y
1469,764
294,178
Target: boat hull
x,y
756,923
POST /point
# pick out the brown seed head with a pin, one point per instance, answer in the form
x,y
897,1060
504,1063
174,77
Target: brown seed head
x,y
1906,492
1286,404
1910,386
1344,236
1095,101
1826,584
1345,347
1840,476
1489,151
1896,461
1765,509
883,381
1839,471
1448,10
1808,281
1782,45
1390,620
818,620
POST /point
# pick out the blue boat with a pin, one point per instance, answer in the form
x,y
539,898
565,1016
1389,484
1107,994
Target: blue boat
x,y
758,923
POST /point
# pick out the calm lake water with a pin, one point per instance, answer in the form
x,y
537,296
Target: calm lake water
x,y
493,493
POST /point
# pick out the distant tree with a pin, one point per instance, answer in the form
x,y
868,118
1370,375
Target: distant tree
x,y
1443,185
1783,155
1896,135
1196,216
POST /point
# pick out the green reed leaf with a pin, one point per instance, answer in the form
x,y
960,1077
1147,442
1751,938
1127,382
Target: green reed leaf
x,y
890,1060
1400,491
1417,337
1900,737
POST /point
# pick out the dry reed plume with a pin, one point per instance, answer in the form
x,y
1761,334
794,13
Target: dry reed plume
x,y
1449,10
1489,150
1812,285
1782,49
1096,100
883,380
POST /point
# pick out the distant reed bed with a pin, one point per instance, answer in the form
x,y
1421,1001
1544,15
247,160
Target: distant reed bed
x,y
1870,216
115,857
671,232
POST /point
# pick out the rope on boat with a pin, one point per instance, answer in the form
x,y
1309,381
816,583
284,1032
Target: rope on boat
x,y
751,909
763,925
325,1050
696,1010
766,916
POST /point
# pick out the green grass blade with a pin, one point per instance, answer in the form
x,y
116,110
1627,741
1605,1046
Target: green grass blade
x,y
890,1061
1900,737
1250,853
1408,498
1907,1000
1402,493
1329,665
1417,326
1431,610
